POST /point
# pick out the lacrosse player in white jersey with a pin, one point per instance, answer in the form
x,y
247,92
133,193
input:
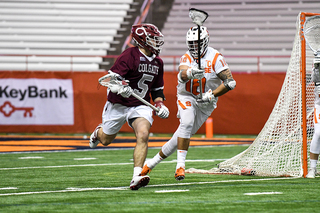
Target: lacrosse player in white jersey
x,y
193,111
315,142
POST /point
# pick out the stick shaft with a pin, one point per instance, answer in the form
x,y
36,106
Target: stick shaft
x,y
145,102
106,84
199,61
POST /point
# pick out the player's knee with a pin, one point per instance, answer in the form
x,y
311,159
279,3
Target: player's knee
x,y
185,129
142,135
107,139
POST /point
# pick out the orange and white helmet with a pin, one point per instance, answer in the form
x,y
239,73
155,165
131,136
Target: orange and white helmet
x,y
148,36
192,41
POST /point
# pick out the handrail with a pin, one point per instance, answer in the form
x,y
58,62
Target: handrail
x,y
170,59
139,19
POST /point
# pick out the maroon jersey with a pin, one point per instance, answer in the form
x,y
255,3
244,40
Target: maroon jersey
x,y
145,74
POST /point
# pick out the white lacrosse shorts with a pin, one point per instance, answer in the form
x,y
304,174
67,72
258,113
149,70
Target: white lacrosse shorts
x,y
114,116
191,116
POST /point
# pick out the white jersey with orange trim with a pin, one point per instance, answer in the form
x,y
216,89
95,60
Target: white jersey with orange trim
x,y
213,63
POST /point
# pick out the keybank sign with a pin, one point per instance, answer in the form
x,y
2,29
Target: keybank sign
x,y
36,101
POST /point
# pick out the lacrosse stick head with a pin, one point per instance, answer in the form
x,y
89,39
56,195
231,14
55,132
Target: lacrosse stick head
x,y
192,41
198,16
312,35
108,80
148,36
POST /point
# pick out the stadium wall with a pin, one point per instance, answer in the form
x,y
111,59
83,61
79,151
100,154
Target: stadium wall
x,y
72,102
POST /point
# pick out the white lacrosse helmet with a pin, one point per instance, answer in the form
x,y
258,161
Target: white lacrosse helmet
x,y
192,41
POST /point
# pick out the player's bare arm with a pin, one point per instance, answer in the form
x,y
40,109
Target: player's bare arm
x,y
183,72
228,83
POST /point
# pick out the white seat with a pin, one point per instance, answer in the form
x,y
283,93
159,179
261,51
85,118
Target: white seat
x,y
45,5
38,31
90,52
54,18
61,25
80,1
83,12
57,38
49,59
54,45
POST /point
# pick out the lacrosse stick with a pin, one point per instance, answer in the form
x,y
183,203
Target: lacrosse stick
x,y
312,36
107,80
198,17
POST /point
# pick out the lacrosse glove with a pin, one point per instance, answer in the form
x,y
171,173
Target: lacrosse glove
x,y
163,110
125,91
208,97
195,73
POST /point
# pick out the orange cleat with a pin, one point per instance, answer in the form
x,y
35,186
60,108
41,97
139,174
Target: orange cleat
x,y
179,175
145,170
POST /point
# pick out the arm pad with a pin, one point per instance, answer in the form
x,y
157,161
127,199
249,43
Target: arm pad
x,y
230,83
157,93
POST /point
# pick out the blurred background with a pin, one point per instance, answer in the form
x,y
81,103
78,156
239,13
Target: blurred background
x,y
53,52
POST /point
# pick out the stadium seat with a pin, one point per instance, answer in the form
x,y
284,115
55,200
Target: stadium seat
x,y
59,28
240,28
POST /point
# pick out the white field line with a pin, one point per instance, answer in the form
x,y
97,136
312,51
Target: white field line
x,y
84,158
169,191
263,193
103,164
149,186
8,188
66,190
30,157
222,181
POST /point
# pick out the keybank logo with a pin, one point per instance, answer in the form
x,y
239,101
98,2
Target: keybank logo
x,y
32,92
34,101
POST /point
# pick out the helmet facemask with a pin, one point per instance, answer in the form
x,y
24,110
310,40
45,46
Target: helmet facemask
x,y
148,36
192,41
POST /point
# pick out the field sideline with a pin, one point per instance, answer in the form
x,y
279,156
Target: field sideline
x,y
98,181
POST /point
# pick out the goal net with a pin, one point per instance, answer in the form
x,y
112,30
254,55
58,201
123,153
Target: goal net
x,y
281,148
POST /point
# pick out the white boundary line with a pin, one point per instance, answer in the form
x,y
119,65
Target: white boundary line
x,y
263,193
103,164
149,186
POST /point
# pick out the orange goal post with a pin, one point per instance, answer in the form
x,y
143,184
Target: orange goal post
x,y
282,146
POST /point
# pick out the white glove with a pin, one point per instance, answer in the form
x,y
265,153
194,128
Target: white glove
x,y
208,97
195,73
121,88
125,91
163,110
114,88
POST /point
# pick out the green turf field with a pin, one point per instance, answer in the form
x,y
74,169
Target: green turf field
x,y
98,181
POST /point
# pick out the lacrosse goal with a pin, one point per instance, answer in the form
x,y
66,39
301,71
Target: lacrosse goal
x,y
281,148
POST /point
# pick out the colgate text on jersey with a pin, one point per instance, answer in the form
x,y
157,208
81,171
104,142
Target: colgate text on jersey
x,y
148,68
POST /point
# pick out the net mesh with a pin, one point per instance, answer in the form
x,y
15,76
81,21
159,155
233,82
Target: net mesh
x,y
277,150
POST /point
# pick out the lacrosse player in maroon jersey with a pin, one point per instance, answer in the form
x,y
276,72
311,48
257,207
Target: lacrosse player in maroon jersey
x,y
142,68
193,111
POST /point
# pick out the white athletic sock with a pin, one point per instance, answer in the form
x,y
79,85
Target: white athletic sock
x,y
181,158
313,163
137,171
154,161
